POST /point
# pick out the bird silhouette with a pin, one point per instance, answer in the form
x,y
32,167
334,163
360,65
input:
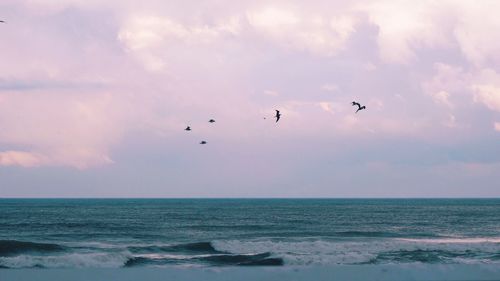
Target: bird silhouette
x,y
211,121
278,115
203,142
187,128
359,106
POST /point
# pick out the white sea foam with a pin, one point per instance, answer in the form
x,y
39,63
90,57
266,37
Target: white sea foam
x,y
293,252
322,252
473,240
161,256
73,260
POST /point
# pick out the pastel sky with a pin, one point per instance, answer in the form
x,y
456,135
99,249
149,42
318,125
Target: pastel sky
x,y
94,97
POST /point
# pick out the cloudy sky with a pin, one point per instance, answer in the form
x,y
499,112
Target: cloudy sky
x,y
94,97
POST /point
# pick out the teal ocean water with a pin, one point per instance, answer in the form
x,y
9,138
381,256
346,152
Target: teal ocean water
x,y
75,233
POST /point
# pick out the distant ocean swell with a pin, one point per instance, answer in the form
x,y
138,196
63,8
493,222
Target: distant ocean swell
x,y
270,252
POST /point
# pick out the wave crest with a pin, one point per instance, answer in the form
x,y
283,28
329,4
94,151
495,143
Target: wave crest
x,y
198,247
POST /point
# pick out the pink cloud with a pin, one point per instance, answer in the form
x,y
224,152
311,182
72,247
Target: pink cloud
x,y
79,77
21,158
496,126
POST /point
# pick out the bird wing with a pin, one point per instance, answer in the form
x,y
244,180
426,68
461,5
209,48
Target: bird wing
x,y
356,103
361,108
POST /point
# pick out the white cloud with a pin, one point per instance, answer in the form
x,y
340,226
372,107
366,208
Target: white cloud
x,y
154,39
79,158
272,93
296,30
21,158
478,30
326,106
496,126
489,95
273,20
329,87
405,26
442,97
61,129
450,86
208,59
486,88
447,78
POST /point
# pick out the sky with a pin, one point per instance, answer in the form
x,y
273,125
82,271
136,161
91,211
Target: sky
x,y
95,96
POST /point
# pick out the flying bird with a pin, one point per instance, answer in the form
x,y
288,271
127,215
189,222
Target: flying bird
x,y
278,115
187,128
359,106
203,142
211,121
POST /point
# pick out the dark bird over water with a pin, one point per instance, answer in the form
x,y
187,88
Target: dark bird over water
x,y
203,142
187,128
278,115
211,121
359,106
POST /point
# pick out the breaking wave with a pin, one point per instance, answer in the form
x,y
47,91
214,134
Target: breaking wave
x,y
270,252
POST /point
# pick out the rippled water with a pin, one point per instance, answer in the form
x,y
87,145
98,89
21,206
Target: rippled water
x,y
244,232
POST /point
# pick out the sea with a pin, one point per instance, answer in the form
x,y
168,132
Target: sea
x,y
123,233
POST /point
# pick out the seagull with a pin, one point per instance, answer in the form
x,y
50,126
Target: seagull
x,y
187,128
211,121
203,142
278,115
359,106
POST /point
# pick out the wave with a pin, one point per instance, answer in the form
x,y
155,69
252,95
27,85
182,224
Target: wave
x,y
472,240
199,252
390,250
379,234
263,259
423,256
14,247
263,252
198,247
366,234
71,260
247,260
143,261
